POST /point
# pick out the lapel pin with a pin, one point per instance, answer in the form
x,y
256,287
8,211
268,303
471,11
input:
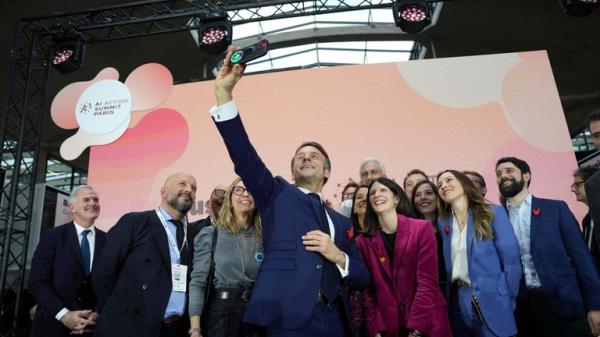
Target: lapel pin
x,y
537,211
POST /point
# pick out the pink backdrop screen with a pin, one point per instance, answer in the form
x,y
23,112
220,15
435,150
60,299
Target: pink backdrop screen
x,y
461,113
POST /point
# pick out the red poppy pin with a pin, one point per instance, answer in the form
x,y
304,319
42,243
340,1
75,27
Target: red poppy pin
x,y
537,211
446,229
350,233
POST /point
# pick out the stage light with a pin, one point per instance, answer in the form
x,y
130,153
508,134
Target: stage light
x,y
66,54
412,16
214,35
579,7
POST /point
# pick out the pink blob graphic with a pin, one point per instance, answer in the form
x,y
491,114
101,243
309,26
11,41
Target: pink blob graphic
x,y
532,105
64,104
150,84
157,141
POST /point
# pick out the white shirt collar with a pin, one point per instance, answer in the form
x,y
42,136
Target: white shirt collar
x,y
305,191
80,229
525,202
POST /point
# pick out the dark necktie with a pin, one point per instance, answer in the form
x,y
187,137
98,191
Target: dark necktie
x,y
184,257
330,282
85,251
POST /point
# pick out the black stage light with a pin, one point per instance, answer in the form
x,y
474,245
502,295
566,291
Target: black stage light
x,y
412,16
579,7
214,35
66,54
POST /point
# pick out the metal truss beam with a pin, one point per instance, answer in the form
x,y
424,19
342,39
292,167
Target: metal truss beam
x,y
23,112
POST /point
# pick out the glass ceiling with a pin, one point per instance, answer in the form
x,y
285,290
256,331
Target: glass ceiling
x,y
325,53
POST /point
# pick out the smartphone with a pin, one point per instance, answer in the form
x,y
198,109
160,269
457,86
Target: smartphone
x,y
245,55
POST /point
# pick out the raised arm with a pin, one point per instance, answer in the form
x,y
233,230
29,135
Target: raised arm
x,y
247,164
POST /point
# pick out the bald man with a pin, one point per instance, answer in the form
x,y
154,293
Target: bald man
x,y
142,275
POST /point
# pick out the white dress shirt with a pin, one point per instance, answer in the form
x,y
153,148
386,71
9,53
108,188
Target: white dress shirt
x,y
520,218
460,264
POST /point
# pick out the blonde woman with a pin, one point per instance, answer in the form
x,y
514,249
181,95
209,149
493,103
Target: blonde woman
x,y
237,255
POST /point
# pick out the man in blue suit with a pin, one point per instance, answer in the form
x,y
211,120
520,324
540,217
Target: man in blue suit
x,y
560,283
60,270
309,259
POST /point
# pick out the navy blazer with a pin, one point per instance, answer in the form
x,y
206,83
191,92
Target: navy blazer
x,y
286,288
494,269
562,260
132,278
57,279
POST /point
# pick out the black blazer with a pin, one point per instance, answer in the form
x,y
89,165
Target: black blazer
x,y
57,279
592,190
132,278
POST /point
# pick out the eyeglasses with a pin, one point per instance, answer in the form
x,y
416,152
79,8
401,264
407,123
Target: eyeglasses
x,y
347,196
577,184
219,193
239,190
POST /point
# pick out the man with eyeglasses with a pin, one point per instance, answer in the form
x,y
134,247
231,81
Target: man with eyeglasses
x,y
213,205
592,237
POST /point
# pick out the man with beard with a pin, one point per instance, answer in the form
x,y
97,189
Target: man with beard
x,y
142,274
560,284
214,207
369,170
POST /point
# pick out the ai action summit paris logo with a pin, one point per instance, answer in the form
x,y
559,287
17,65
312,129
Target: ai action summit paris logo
x,y
102,108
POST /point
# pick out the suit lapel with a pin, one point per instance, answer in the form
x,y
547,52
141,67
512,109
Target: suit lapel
x,y
73,242
533,224
381,254
402,234
160,238
470,235
447,244
98,243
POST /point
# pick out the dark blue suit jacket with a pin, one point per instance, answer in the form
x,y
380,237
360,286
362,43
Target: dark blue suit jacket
x,y
132,277
494,269
286,288
562,260
57,279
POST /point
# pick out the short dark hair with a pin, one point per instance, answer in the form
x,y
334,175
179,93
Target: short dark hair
x,y
411,172
585,172
318,147
519,163
592,117
475,173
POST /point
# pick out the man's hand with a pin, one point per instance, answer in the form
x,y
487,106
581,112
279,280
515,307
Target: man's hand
x,y
77,320
317,241
227,78
593,318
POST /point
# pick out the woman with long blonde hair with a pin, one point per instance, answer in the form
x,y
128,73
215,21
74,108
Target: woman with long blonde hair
x,y
235,260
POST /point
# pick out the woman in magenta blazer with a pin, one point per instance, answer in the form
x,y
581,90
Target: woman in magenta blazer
x,y
404,298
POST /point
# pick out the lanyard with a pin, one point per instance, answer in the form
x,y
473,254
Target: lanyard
x,y
172,240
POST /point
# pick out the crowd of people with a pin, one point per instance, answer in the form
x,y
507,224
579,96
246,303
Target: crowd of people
x,y
432,257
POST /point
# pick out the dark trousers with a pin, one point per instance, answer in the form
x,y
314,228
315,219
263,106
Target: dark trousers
x,y
177,328
535,318
325,321
463,317
225,319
